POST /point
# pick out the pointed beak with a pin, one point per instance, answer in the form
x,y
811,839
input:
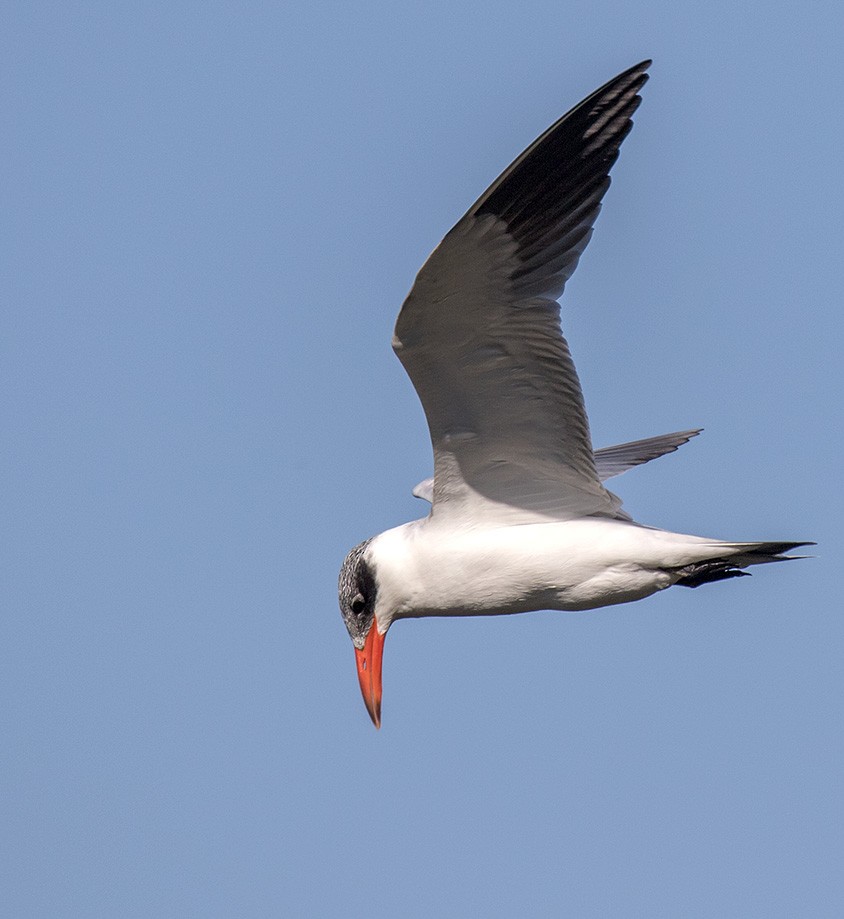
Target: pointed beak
x,y
369,672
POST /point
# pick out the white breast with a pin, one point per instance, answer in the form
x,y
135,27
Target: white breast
x,y
426,570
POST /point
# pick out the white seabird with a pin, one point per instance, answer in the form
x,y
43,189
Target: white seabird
x,y
520,519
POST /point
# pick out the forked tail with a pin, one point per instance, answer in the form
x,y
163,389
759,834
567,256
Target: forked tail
x,y
731,565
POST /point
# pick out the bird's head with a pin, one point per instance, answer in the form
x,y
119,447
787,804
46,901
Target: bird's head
x,y
357,596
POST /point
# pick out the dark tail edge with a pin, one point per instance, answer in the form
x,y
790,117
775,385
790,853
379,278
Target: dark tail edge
x,y
775,549
720,569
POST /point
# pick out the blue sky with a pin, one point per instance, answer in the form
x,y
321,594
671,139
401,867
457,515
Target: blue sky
x,y
210,216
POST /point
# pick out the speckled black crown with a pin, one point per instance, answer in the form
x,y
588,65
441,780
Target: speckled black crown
x,y
356,593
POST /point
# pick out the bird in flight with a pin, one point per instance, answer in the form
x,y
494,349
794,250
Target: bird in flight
x,y
520,519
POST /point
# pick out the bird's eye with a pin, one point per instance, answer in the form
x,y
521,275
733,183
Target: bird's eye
x,y
358,604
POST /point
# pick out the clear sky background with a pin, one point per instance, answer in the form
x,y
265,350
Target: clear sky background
x,y
211,213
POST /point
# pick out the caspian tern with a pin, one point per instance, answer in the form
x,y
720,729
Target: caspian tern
x,y
520,519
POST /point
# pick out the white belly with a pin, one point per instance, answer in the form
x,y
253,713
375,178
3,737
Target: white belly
x,y
573,565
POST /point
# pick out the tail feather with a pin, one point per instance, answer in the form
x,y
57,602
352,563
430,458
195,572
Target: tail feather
x,y
758,553
731,565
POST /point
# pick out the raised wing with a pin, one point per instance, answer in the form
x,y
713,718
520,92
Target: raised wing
x,y
609,461
479,334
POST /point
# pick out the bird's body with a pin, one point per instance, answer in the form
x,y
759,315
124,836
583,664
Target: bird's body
x,y
520,517
428,570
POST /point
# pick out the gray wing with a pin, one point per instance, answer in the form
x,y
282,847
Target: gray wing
x,y
612,461
480,337
609,461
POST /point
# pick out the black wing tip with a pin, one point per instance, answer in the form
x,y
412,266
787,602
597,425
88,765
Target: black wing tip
x,y
541,194
637,70
629,82
626,85
642,66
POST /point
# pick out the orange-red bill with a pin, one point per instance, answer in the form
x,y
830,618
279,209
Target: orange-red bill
x,y
369,672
